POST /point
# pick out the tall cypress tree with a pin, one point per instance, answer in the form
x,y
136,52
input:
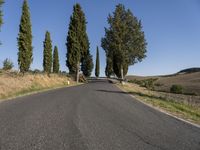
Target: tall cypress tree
x,y
97,63
1,14
56,65
47,60
25,54
77,41
124,41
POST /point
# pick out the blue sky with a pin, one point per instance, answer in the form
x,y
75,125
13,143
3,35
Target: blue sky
x,y
172,29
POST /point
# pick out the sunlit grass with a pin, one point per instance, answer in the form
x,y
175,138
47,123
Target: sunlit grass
x,y
181,110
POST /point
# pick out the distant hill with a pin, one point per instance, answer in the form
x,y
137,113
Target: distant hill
x,y
189,70
189,79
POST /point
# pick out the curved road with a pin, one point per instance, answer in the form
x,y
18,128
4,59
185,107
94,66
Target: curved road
x,y
94,116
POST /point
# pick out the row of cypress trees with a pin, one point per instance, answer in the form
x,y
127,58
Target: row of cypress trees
x,y
48,61
25,53
78,54
124,44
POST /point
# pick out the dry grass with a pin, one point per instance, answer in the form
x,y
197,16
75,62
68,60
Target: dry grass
x,y
182,110
12,84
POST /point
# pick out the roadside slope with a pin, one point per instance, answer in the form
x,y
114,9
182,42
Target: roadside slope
x,y
13,84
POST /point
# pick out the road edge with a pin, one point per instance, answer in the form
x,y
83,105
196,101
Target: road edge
x,y
38,92
161,110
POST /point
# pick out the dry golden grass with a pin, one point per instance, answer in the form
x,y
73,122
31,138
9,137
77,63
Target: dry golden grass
x,y
14,85
161,101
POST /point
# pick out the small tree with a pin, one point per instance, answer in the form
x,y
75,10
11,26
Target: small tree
x,y
97,63
56,65
47,60
178,89
7,64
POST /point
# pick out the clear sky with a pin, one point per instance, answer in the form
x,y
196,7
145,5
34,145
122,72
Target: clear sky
x,y
172,29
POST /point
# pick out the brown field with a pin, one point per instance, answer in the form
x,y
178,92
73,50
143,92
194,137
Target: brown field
x,y
13,84
190,82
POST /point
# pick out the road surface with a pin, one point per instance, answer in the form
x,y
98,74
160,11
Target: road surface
x,y
94,116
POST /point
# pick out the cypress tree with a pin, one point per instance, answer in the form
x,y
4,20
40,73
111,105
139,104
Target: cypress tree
x,y
47,60
25,54
124,41
97,63
56,65
77,41
109,67
87,65
1,14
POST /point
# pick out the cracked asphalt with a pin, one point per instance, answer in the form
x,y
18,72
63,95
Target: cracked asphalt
x,y
94,116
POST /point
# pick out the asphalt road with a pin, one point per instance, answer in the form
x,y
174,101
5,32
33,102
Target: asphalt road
x,y
94,116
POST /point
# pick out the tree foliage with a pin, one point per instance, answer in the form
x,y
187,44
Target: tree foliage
x,y
47,54
87,65
7,64
1,13
25,54
56,65
124,41
97,68
77,41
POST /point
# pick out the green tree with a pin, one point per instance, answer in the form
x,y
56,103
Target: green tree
x,y
1,13
109,68
124,41
87,65
77,41
56,65
47,60
97,63
7,64
25,53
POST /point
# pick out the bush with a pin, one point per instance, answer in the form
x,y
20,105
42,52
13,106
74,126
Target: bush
x,y
7,64
147,83
178,89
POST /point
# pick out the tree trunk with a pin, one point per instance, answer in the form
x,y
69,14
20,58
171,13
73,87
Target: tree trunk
x,y
77,72
122,73
122,76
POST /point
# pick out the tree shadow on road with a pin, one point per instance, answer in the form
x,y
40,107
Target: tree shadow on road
x,y
109,91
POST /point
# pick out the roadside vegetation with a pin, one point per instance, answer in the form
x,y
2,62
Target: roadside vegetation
x,y
187,83
13,84
183,109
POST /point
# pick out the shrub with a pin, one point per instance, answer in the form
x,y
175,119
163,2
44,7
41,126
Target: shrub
x,y
7,64
178,89
147,83
37,71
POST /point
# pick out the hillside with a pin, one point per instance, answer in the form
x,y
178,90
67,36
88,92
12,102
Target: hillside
x,y
190,70
189,81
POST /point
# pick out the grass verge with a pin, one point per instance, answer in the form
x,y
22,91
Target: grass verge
x,y
33,90
181,110
12,86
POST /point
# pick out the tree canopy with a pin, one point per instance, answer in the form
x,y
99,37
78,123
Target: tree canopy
x,y
77,41
25,53
124,42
